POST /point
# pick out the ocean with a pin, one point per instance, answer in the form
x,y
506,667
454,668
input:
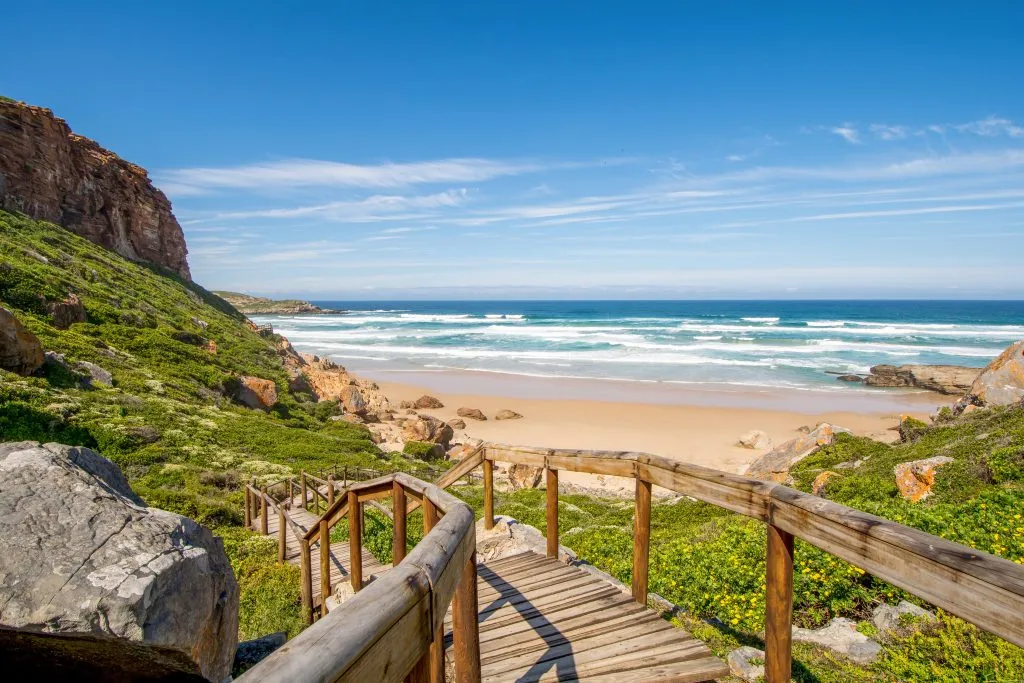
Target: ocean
x,y
764,344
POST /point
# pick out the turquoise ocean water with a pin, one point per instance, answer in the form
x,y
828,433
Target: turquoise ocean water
x,y
783,344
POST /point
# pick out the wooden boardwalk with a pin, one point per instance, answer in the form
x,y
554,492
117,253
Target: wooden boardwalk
x,y
542,620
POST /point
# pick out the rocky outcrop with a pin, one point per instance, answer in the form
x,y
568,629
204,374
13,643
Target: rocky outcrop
x,y
775,464
255,392
330,381
524,476
915,479
510,537
506,414
84,557
427,402
258,305
892,619
51,174
1000,383
67,312
427,429
20,350
457,423
820,483
746,663
472,414
841,635
945,379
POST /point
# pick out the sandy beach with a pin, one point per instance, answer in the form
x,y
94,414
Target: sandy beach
x,y
700,427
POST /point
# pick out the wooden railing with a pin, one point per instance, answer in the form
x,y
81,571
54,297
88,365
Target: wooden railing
x,y
393,628
986,590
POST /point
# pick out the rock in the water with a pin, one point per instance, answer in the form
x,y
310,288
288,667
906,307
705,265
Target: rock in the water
x,y
755,439
506,414
427,428
821,482
457,423
887,618
255,392
94,374
916,478
857,379
20,350
427,402
67,312
252,652
841,635
945,379
472,413
775,464
83,555
1001,383
747,663
524,476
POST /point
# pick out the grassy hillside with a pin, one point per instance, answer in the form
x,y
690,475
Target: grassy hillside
x,y
712,562
167,419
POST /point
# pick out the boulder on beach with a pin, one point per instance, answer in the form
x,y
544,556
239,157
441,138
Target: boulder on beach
x,y
427,402
506,414
457,423
1001,383
472,413
754,439
85,558
427,428
776,463
944,379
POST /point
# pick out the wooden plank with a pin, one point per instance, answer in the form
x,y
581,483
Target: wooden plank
x,y
552,512
543,624
581,600
355,541
515,597
718,488
465,636
496,589
397,606
488,495
641,540
400,535
325,562
778,637
691,671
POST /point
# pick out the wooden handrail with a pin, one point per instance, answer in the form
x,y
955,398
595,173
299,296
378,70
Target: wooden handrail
x,y
389,627
983,589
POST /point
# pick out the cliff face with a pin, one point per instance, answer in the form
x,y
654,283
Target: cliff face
x,y
51,174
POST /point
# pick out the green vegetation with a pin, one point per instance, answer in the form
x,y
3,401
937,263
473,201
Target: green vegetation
x,y
711,562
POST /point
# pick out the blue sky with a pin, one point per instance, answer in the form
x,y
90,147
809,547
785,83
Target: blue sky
x,y
463,150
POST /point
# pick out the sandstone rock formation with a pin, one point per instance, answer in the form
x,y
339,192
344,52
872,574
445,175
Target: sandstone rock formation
x,y
775,464
916,478
67,312
1000,383
457,423
427,402
330,381
84,556
506,414
945,379
524,476
51,174
471,413
20,350
255,392
427,429
755,439
821,482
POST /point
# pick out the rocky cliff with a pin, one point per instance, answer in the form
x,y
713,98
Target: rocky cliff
x,y
51,174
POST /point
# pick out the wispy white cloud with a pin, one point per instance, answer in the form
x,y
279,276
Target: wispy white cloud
x,y
848,133
887,132
376,207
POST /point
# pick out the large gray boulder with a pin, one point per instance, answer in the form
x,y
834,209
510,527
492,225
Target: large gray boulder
x,y
83,556
1001,383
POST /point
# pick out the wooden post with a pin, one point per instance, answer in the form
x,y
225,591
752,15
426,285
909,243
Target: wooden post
x,y
355,542
325,565
552,500
465,631
488,495
282,536
435,665
641,540
345,476
302,480
248,508
291,490
420,672
778,629
330,490
307,580
263,511
429,515
401,538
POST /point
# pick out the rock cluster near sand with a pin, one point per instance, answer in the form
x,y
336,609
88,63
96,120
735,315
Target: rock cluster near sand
x,y
83,555
953,380
776,463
